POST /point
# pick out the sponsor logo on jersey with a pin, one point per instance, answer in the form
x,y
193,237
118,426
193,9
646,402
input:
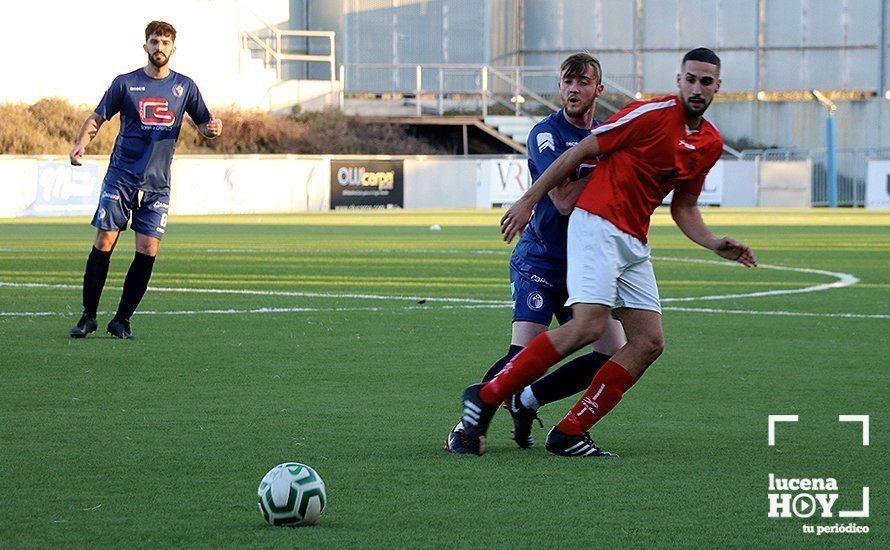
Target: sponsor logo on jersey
x,y
535,301
545,141
687,145
155,111
137,88
178,90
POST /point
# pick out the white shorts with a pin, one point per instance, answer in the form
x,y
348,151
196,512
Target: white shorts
x,y
607,266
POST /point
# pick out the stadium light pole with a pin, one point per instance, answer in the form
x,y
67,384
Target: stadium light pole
x,y
830,107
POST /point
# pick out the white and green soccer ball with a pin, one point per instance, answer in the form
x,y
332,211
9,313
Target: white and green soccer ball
x,y
292,494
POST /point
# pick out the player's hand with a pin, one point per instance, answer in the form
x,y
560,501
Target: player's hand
x,y
733,250
75,155
516,218
214,127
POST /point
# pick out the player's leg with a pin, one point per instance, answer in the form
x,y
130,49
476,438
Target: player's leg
x,y
111,217
149,223
522,334
533,308
637,307
575,375
593,269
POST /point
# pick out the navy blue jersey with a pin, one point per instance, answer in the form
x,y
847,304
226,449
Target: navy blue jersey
x,y
151,115
543,244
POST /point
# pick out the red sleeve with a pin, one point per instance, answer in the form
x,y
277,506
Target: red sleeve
x,y
694,185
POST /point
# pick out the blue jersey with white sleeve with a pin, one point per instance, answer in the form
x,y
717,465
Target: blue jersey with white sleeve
x,y
543,243
151,112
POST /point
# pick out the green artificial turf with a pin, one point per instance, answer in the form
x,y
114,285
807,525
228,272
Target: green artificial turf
x,y
162,441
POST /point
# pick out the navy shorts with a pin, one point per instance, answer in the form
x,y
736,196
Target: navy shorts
x,y
538,295
119,202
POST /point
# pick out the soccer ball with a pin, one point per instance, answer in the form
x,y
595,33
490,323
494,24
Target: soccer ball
x,y
291,494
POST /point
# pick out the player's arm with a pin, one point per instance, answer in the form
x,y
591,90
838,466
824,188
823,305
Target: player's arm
x,y
566,195
519,214
684,210
88,131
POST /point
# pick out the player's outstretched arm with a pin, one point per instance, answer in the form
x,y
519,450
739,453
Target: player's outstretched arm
x,y
519,214
688,218
88,131
212,128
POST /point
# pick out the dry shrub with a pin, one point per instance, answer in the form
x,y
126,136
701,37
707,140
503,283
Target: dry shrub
x,y
51,125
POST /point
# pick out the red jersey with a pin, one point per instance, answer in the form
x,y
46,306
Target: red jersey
x,y
647,152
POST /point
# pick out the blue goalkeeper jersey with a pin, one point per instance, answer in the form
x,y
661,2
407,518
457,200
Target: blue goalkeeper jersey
x,y
151,112
543,243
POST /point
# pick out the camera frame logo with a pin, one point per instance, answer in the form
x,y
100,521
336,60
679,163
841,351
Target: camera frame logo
x,y
809,497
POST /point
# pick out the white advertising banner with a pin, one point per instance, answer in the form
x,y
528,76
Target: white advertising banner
x,y
507,179
49,187
243,185
877,190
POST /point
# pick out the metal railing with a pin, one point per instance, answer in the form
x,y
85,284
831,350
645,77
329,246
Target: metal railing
x,y
272,42
519,88
852,171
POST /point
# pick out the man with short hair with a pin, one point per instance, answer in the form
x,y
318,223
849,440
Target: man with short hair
x,y
648,149
538,262
151,101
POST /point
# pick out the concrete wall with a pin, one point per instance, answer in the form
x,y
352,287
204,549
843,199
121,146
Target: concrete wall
x,y
253,184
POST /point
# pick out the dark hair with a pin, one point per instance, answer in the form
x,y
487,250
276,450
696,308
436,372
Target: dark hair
x,y
577,64
160,28
704,55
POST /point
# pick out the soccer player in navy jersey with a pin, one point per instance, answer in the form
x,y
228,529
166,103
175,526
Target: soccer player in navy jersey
x,y
538,263
646,150
151,101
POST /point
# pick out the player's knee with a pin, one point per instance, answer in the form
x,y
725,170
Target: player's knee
x,y
585,333
653,346
105,242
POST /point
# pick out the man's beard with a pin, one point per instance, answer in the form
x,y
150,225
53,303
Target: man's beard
x,y
159,64
695,110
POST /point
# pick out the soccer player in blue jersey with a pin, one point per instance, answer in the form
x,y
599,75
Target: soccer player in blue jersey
x,y
538,263
151,101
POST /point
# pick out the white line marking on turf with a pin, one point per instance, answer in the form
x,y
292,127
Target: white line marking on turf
x,y
261,310
779,313
276,293
842,280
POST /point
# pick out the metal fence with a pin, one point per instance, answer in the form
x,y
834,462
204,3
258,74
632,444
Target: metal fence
x,y
852,171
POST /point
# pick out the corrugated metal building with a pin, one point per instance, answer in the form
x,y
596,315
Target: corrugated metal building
x,y
779,49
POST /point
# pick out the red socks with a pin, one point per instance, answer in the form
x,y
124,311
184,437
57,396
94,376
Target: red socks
x,y
529,365
605,391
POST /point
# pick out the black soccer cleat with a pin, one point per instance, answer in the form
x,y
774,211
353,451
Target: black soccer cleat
x,y
563,444
86,325
523,417
120,329
475,420
451,439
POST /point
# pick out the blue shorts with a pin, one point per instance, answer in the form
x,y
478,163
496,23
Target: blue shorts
x,y
119,202
538,295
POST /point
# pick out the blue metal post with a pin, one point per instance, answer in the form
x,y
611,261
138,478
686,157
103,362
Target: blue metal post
x,y
832,169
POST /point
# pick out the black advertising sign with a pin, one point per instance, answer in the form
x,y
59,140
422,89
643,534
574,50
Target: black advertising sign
x,y
367,184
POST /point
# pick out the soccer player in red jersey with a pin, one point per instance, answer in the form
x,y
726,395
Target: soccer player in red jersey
x,y
648,149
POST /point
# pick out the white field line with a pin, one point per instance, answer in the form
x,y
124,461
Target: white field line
x,y
243,292
779,313
842,280
262,310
